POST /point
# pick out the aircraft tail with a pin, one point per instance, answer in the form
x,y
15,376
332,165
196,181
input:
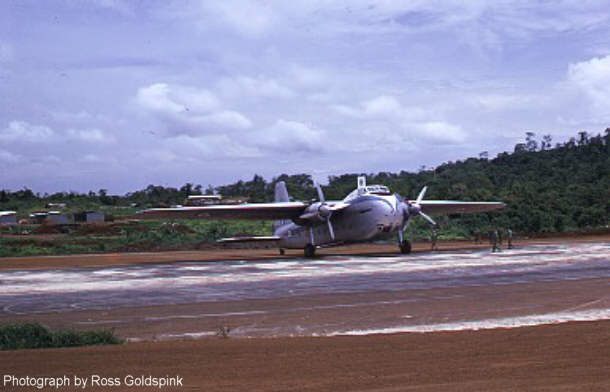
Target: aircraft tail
x,y
281,195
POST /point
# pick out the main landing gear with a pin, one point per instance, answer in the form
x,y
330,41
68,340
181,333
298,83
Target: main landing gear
x,y
310,251
405,246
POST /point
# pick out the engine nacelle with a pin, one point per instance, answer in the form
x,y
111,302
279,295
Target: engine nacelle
x,y
317,212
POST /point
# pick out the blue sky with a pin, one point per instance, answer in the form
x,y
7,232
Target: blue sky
x,y
120,94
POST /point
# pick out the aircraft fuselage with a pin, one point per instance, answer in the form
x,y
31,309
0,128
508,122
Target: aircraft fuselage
x,y
368,217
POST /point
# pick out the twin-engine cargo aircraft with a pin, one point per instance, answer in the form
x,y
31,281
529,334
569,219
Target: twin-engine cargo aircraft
x,y
367,213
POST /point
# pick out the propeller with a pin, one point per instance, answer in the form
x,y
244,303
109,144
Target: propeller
x,y
414,209
323,210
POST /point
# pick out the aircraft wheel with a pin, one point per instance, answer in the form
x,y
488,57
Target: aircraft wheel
x,y
405,247
310,250
282,252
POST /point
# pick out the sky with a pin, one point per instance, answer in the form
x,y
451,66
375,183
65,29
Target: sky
x,y
120,94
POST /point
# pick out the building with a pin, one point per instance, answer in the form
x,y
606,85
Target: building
x,y
90,217
55,205
8,218
38,217
59,218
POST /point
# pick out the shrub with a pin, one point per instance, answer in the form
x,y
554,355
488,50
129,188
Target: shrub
x,y
34,335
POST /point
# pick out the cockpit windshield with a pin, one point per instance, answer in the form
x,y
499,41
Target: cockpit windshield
x,y
378,190
369,190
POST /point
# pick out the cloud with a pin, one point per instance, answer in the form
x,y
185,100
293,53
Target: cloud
x,y
9,157
90,136
24,132
254,87
592,78
21,131
6,52
244,17
439,132
290,136
382,107
188,111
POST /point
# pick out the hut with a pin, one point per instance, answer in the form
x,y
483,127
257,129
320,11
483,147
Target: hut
x,y
90,217
59,218
8,218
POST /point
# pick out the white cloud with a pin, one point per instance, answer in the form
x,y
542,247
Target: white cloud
x,y
254,87
382,107
592,78
245,17
90,135
224,119
92,158
290,136
439,132
189,111
9,157
6,52
21,131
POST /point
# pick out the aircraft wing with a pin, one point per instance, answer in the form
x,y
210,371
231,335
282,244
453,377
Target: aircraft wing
x,y
258,211
449,207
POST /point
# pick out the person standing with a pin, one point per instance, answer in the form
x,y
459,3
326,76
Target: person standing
x,y
433,238
494,241
509,238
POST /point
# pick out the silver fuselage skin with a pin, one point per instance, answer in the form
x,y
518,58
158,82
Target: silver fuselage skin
x,y
368,217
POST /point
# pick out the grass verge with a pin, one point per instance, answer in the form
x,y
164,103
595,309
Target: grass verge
x,y
34,335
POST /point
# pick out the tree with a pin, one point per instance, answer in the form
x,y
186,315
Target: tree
x,y
531,143
583,138
547,142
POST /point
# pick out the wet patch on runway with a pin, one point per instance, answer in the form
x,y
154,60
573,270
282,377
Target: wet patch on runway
x,y
85,288
475,325
360,278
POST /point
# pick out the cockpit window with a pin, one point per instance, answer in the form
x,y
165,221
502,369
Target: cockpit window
x,y
378,190
371,190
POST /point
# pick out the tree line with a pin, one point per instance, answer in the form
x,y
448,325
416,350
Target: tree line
x,y
547,188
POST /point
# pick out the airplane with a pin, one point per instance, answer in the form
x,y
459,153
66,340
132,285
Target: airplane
x,y
368,213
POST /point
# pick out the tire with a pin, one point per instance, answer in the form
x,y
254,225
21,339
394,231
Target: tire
x,y
405,247
310,251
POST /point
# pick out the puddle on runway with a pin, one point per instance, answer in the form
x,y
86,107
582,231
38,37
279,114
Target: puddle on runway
x,y
475,325
31,291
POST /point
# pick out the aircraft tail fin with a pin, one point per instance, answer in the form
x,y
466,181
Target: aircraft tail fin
x,y
281,195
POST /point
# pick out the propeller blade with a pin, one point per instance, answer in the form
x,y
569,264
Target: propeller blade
x,y
426,217
406,225
421,195
330,229
320,193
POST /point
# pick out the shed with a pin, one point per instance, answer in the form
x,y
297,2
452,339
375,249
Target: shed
x,y
58,218
38,217
90,217
94,217
8,218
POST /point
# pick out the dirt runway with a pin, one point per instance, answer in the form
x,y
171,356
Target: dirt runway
x,y
532,318
564,357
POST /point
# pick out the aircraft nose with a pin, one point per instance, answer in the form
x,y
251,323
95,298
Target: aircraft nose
x,y
384,221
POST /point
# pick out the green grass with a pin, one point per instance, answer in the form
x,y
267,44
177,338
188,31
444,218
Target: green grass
x,y
142,236
34,335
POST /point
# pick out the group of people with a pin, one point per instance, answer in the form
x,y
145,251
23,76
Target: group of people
x,y
496,238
